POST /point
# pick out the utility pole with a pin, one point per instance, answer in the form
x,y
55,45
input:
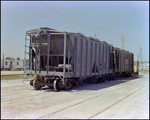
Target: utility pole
x,y
122,38
138,57
3,61
141,56
95,36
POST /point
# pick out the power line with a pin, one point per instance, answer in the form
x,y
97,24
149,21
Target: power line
x,y
81,25
51,16
47,17
138,57
73,21
56,20
66,17
141,56
87,23
43,12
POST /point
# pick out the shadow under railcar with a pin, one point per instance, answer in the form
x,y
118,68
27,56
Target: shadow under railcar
x,y
89,85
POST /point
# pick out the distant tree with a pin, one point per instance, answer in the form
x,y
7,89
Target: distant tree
x,y
9,58
18,58
27,62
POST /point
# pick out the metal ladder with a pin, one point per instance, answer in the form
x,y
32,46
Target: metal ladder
x,y
30,54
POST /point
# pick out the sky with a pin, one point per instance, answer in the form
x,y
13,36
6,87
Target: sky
x,y
105,20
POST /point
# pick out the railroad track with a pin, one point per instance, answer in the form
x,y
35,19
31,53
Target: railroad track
x,y
25,89
94,98
91,99
34,95
118,101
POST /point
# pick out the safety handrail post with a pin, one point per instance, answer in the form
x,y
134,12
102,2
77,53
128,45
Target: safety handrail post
x,y
31,54
48,52
25,55
64,54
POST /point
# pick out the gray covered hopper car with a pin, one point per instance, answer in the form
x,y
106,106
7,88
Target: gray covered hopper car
x,y
123,62
64,59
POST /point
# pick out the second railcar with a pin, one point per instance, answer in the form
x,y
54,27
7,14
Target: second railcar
x,y
123,62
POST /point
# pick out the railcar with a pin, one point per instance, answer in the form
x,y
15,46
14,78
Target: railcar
x,y
123,62
64,59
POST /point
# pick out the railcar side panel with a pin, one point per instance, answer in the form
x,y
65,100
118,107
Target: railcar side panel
x,y
103,56
101,48
84,54
93,58
75,56
105,60
102,59
95,69
79,62
89,57
108,58
122,61
98,58
91,61
119,60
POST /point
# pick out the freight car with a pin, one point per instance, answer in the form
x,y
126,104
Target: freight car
x,y
64,59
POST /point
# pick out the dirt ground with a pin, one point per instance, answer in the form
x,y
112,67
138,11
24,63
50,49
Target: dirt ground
x,y
120,98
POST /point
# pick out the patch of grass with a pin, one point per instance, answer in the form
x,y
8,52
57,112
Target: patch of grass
x,y
15,77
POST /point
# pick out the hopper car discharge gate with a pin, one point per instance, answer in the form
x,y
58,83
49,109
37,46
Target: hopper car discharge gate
x,y
64,59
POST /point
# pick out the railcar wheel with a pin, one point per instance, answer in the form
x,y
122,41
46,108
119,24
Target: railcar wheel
x,y
108,78
97,80
50,87
117,76
56,86
103,79
31,82
36,85
114,77
75,83
128,74
131,75
69,84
